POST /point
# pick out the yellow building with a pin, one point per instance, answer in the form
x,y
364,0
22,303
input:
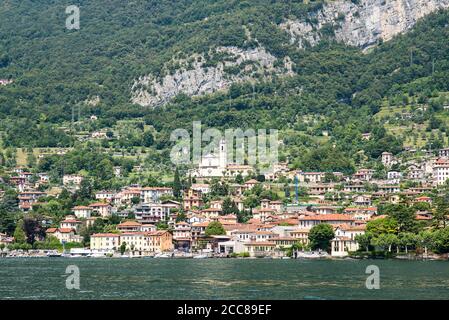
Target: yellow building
x,y
259,248
105,241
137,243
160,241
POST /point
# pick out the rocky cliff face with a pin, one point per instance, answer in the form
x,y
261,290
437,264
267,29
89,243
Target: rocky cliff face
x,y
361,23
198,75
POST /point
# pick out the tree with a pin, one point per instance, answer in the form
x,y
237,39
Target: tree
x,y
364,240
181,217
425,239
441,240
408,239
19,233
162,225
441,212
123,248
229,207
381,226
239,178
385,240
251,201
215,228
287,190
85,191
33,229
147,139
320,236
31,159
135,200
104,170
404,216
243,216
177,185
218,188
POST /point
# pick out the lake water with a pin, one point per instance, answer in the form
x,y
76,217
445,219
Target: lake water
x,y
45,278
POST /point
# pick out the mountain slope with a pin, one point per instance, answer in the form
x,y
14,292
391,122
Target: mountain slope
x,y
226,63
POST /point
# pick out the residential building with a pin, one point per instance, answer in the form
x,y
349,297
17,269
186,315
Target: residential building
x,y
153,194
105,241
152,213
103,209
83,212
333,219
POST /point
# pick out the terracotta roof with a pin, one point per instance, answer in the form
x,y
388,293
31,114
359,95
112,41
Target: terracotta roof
x,y
81,208
259,243
129,224
284,238
265,232
132,234
71,221
211,210
99,204
252,181
421,217
97,235
353,228
382,216
300,231
329,217
65,230
156,188
201,224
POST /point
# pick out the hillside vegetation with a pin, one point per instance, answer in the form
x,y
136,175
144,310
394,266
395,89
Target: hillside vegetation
x,y
333,88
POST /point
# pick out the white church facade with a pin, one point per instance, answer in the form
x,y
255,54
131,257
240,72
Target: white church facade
x,y
216,165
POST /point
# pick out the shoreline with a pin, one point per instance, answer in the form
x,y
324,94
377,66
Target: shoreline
x,y
430,258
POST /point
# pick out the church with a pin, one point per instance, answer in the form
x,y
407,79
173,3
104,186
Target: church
x,y
216,165
213,165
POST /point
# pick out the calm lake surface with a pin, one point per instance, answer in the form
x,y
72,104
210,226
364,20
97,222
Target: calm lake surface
x,y
45,278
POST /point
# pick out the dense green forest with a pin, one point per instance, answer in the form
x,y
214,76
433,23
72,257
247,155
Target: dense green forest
x,y
336,89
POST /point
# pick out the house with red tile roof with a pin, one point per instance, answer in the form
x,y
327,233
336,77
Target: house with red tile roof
x,y
332,219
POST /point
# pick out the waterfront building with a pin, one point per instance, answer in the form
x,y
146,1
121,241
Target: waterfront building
x,y
332,219
70,222
105,241
64,234
129,226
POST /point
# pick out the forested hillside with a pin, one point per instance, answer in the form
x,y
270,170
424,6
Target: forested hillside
x,y
332,95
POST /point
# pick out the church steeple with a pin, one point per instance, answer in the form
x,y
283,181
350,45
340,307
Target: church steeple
x,y
223,154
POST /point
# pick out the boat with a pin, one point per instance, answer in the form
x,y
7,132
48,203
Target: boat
x,y
54,254
97,255
200,256
163,255
312,255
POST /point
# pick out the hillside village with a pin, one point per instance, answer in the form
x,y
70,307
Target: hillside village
x,y
226,210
